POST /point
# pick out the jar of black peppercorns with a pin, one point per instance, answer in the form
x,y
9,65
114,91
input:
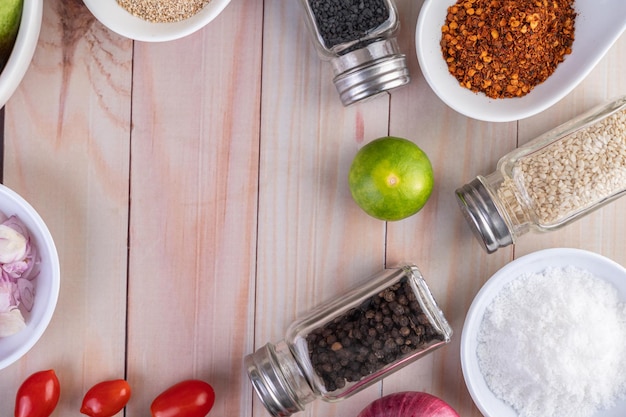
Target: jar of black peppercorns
x,y
358,38
350,342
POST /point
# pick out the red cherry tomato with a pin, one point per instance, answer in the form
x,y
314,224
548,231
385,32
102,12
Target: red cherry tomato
x,y
38,395
106,398
190,398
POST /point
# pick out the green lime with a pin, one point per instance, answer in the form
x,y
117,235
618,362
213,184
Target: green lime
x,y
391,178
10,15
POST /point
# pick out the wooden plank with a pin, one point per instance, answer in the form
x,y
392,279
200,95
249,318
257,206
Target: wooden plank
x,y
67,152
195,146
314,242
437,239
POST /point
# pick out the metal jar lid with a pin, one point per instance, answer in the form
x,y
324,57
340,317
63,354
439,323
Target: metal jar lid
x,y
277,380
371,70
483,216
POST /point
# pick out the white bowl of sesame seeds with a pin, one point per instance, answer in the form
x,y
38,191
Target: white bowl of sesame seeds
x,y
155,20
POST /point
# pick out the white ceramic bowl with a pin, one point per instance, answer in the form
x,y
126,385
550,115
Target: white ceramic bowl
x,y
23,50
596,29
119,20
47,283
601,267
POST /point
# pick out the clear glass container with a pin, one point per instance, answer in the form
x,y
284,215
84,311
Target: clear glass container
x,y
349,342
551,181
358,38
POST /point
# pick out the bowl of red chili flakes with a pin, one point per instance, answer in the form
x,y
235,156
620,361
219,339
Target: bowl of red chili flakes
x,y
500,64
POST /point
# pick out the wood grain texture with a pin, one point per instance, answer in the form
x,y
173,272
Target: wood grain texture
x,y
194,176
437,239
197,192
67,152
314,242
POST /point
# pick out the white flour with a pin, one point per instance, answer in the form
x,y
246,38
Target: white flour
x,y
554,344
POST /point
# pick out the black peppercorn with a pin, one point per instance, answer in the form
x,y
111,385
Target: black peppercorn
x,y
392,330
350,342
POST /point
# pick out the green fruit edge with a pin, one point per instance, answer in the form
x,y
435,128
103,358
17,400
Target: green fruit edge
x,y
369,186
9,26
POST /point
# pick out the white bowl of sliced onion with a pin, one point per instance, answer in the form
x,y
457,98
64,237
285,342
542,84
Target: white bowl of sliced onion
x,y
29,276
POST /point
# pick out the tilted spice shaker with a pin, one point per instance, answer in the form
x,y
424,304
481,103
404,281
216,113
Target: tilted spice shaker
x,y
358,38
349,342
551,181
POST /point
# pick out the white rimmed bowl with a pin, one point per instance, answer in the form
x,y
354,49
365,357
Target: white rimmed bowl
x,y
119,20
600,266
598,25
23,50
47,283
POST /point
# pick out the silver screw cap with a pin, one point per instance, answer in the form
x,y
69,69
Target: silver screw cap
x,y
483,216
278,388
369,71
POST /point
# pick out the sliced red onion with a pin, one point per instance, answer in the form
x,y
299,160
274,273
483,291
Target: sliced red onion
x,y
19,265
7,299
12,245
11,322
26,289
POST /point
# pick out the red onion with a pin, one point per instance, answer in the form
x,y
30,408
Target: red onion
x,y
408,404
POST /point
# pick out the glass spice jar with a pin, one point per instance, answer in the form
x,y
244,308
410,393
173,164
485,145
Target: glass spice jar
x,y
551,181
358,38
349,342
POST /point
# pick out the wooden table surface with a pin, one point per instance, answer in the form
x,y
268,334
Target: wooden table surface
x,y
197,194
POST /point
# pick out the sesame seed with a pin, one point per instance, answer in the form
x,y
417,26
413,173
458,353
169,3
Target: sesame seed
x,y
569,175
163,11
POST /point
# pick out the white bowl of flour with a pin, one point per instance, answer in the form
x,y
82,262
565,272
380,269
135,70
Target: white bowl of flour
x,y
546,337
